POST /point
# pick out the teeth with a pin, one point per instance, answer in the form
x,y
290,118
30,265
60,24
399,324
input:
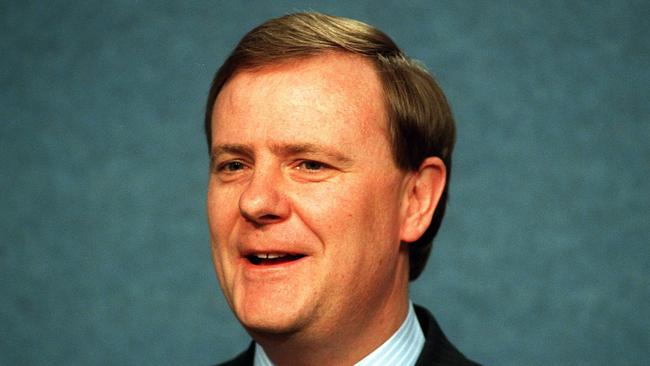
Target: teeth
x,y
270,255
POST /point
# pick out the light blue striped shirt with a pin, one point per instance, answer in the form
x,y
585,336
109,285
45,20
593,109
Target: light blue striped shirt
x,y
402,348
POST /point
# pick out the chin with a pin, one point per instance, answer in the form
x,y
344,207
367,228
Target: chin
x,y
266,315
271,323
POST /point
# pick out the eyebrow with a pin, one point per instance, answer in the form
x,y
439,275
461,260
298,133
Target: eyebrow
x,y
309,148
282,150
234,149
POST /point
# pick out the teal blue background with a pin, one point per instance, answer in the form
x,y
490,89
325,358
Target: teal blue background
x,y
544,256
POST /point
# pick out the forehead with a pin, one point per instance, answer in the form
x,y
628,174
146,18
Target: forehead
x,y
329,91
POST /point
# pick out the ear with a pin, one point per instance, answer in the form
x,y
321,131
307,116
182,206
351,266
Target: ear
x,y
421,197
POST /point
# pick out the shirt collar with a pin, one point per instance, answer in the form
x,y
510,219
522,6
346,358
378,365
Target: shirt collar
x,y
402,348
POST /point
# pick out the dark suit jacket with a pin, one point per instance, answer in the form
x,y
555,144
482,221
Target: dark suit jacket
x,y
437,350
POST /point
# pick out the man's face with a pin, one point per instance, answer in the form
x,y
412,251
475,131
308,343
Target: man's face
x,y
303,173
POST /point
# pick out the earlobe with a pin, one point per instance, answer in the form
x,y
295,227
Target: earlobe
x,y
422,196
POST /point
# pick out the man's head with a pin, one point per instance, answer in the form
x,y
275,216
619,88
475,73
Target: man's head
x,y
420,122
328,159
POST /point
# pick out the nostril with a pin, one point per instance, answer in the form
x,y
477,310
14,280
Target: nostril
x,y
269,217
262,219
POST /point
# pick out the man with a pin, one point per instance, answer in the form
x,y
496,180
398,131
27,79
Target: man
x,y
330,158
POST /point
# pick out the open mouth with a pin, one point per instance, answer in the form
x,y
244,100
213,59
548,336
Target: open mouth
x,y
266,259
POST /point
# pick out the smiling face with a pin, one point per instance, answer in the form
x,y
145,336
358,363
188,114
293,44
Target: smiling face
x,y
305,203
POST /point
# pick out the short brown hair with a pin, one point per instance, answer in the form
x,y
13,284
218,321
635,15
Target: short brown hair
x,y
420,120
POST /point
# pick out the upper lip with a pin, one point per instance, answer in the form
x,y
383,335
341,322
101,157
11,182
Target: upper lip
x,y
266,251
270,255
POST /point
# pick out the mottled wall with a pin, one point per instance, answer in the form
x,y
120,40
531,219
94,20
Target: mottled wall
x,y
544,257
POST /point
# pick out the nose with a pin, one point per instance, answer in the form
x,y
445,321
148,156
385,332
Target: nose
x,y
263,201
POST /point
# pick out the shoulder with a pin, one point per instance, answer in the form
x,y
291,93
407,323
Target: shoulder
x,y
243,359
437,348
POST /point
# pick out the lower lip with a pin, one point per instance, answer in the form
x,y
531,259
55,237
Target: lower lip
x,y
269,269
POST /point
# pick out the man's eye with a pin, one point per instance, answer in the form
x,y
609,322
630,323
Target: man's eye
x,y
312,171
232,166
311,165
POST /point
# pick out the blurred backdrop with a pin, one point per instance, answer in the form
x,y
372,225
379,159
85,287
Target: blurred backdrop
x,y
544,256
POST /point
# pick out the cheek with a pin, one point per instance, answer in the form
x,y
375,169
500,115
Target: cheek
x,y
222,207
353,213
326,209
223,211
